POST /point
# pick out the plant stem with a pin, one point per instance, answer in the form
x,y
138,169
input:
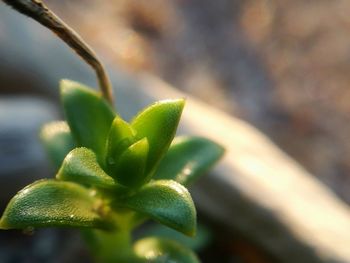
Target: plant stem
x,y
114,245
111,247
37,10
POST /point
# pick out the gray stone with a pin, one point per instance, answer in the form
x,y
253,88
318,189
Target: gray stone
x,y
22,157
257,189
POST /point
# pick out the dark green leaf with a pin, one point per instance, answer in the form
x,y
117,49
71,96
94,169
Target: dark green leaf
x,y
81,166
167,202
158,123
130,168
188,158
58,141
89,116
120,137
49,203
157,250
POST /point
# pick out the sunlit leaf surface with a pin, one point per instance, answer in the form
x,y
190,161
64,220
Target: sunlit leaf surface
x,y
53,203
167,202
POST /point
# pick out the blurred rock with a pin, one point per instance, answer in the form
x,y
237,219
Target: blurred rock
x,y
22,157
44,246
259,191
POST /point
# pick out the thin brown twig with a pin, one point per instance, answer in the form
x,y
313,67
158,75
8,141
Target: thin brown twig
x,y
37,10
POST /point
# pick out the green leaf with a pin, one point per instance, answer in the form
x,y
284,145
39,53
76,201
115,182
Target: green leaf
x,y
81,166
130,168
58,141
167,202
47,203
89,116
188,158
157,250
199,242
158,123
120,137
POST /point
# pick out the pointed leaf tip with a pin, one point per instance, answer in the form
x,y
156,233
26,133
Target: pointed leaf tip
x,y
81,166
120,137
89,116
158,123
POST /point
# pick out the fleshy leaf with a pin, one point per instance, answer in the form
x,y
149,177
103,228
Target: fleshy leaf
x,y
81,166
88,115
48,203
120,137
167,202
199,242
158,123
188,158
58,141
158,250
130,168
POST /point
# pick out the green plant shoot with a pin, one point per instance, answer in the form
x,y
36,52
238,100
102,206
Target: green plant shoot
x,y
113,175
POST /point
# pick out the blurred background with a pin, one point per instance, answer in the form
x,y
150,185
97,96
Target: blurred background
x,y
280,65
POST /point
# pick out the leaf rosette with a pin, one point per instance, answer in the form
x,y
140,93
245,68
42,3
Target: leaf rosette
x,y
108,166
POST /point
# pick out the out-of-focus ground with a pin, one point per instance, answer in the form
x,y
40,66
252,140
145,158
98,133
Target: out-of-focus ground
x,y
282,65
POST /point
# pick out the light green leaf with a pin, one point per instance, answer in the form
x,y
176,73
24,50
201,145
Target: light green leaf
x,y
81,166
167,202
130,168
48,203
188,158
157,250
158,123
58,141
120,137
89,116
